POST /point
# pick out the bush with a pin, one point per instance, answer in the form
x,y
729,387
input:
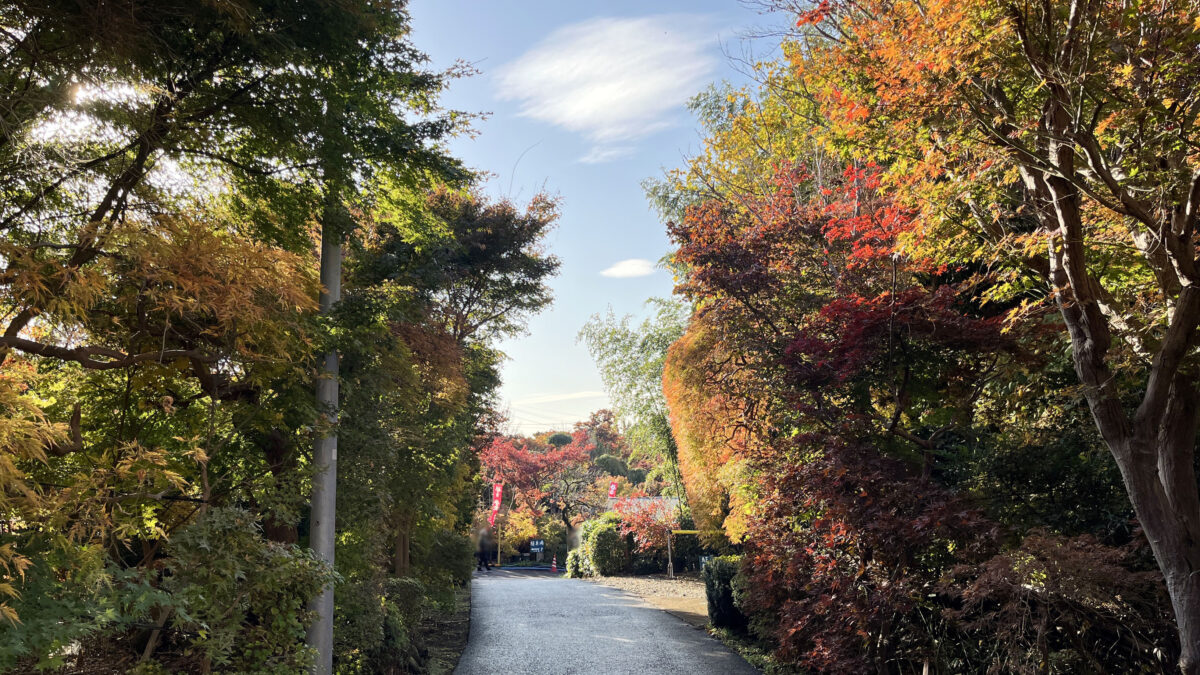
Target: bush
x,y
603,549
358,624
607,550
376,623
612,465
243,597
718,587
577,565
447,558
649,563
636,476
72,596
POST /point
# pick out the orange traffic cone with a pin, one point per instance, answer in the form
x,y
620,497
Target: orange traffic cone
x,y
554,563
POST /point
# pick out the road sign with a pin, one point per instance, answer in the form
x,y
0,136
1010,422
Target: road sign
x,y
537,545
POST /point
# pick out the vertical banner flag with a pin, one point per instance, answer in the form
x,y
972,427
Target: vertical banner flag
x,y
497,495
612,490
492,519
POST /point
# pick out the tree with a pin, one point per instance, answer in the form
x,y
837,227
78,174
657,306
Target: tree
x,y
495,269
898,402
162,166
631,363
1064,129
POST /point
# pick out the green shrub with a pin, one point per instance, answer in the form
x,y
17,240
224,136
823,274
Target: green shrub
x,y
576,565
607,550
718,587
358,624
636,476
612,465
603,550
72,595
376,626
447,558
242,596
649,563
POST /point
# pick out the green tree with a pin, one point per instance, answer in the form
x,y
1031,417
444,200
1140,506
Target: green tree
x,y
630,359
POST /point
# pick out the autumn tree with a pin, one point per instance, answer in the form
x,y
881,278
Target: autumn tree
x,y
163,167
878,394
1065,140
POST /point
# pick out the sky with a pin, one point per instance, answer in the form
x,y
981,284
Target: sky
x,y
585,100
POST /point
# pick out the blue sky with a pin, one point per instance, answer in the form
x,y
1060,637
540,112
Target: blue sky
x,y
585,101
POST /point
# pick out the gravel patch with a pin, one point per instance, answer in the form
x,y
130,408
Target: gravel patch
x,y
682,596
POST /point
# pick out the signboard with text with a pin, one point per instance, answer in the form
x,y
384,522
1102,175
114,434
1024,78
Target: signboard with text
x,y
537,545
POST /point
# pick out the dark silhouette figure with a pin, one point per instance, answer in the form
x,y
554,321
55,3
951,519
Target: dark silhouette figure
x,y
482,559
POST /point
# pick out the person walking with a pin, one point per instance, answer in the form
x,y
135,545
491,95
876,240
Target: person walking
x,y
482,559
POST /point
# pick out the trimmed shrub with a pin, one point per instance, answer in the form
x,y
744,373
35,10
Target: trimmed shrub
x,y
636,476
612,465
560,439
576,568
607,550
718,587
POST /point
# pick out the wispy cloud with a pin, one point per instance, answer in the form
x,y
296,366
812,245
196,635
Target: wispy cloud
x,y
601,154
614,80
554,398
634,267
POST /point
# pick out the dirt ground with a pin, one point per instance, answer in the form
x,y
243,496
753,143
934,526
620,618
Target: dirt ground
x,y
446,634
682,596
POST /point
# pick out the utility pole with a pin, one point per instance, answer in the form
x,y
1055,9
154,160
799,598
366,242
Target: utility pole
x,y
324,495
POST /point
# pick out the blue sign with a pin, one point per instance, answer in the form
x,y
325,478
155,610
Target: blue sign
x,y
537,545
704,560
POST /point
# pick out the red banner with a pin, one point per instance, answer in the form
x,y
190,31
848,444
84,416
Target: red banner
x,y
612,489
497,495
492,519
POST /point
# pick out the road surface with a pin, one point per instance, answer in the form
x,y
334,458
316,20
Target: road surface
x,y
531,622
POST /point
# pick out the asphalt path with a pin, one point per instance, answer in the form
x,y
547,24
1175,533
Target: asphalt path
x,y
533,622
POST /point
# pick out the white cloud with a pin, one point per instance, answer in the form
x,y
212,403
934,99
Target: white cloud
x,y
553,398
613,80
634,267
601,154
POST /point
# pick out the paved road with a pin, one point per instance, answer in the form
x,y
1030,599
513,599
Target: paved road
x,y
535,623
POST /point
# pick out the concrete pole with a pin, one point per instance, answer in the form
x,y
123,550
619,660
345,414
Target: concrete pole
x,y
324,495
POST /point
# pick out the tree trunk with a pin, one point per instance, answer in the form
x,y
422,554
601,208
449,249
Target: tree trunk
x,y
402,553
1154,448
281,459
1174,535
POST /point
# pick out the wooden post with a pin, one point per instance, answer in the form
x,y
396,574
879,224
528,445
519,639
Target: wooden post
x,y
670,557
